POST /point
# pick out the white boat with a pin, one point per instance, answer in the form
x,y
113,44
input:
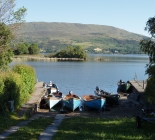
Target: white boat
x,y
53,99
51,87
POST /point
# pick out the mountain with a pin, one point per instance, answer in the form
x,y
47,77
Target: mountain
x,y
55,36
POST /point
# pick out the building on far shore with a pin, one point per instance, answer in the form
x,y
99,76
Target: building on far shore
x,y
97,50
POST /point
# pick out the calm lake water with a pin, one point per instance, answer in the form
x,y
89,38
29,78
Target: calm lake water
x,y
100,70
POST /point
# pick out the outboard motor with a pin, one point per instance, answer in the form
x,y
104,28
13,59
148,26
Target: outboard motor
x,y
97,89
49,90
70,93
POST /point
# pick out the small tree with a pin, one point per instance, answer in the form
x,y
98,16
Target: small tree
x,y
10,17
5,51
22,49
148,46
10,20
33,49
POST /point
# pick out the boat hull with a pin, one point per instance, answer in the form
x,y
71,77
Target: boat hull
x,y
123,87
72,103
111,99
95,103
52,101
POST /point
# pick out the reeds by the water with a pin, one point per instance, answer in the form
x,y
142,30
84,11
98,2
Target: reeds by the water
x,y
37,58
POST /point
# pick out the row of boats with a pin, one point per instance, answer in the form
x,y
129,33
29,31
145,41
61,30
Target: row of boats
x,y
72,101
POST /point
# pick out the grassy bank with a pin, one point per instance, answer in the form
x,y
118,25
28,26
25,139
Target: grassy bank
x,y
81,128
8,120
97,129
32,130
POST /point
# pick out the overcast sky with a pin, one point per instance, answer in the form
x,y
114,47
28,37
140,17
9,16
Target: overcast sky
x,y
130,15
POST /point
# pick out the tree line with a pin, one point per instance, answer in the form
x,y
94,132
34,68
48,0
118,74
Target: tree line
x,y
26,48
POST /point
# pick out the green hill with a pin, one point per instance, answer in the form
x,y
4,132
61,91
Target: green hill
x,y
55,36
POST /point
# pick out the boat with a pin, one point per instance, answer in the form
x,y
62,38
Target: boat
x,y
111,98
53,99
51,87
72,101
94,102
123,86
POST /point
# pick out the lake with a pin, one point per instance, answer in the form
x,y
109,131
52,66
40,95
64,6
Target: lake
x,y
82,77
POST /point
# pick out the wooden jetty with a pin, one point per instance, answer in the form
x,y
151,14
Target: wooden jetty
x,y
33,104
138,86
138,91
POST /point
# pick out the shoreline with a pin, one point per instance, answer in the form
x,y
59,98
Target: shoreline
x,y
42,58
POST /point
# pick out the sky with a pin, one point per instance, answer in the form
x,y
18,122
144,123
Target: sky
x,y
130,15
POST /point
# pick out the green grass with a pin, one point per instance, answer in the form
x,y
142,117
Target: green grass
x,y
7,120
32,130
80,128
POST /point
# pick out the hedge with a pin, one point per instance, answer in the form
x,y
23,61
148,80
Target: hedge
x,y
28,75
16,85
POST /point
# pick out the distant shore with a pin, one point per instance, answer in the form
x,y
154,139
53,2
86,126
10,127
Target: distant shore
x,y
42,58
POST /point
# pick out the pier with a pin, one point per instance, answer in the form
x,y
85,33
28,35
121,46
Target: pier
x,y
32,105
138,86
138,91
138,94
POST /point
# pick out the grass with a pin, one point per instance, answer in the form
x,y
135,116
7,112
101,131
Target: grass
x,y
79,128
7,120
82,128
32,130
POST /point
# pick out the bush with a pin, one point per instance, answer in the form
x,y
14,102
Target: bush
x,y
12,88
150,90
16,85
28,75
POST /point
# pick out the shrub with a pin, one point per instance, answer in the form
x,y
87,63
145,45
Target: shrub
x,y
16,85
28,75
12,88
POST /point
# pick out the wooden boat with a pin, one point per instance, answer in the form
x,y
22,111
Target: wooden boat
x,y
111,98
53,99
123,86
72,102
94,102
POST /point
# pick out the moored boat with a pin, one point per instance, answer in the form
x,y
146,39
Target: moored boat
x,y
51,87
123,86
94,102
72,101
111,98
53,99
